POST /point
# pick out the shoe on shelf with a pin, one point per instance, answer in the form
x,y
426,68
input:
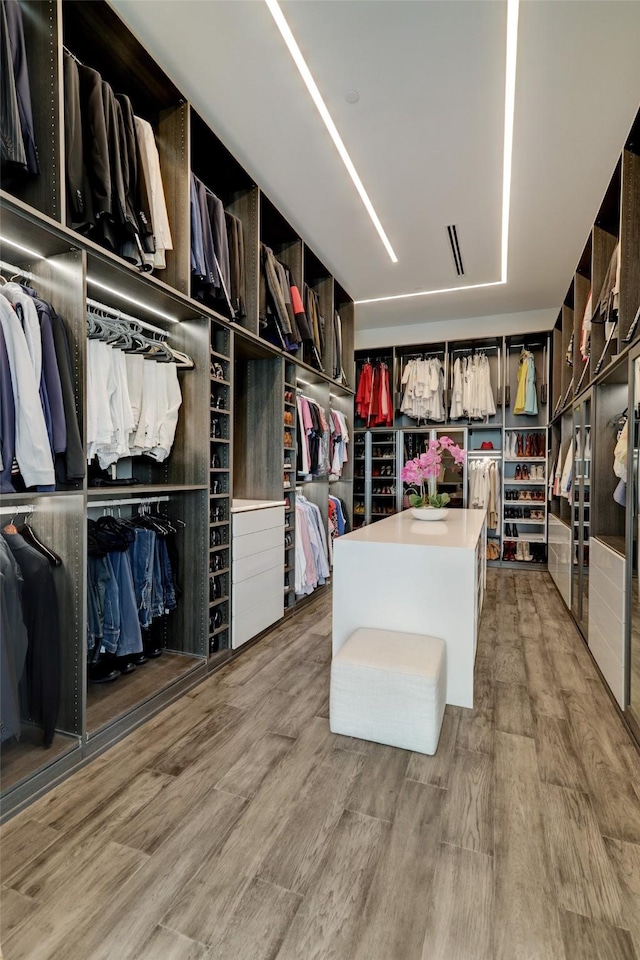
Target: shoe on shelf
x,y
518,473
525,472
514,532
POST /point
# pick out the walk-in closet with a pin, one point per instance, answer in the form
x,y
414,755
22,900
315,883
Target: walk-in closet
x,y
319,480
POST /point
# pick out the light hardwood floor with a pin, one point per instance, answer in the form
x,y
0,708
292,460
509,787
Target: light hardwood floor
x,y
235,826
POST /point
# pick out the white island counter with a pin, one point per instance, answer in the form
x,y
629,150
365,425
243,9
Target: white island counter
x,y
416,577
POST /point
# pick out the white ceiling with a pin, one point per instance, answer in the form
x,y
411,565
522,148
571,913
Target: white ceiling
x,y
426,134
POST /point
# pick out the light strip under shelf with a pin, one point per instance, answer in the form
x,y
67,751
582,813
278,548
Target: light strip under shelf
x,y
316,96
137,303
19,246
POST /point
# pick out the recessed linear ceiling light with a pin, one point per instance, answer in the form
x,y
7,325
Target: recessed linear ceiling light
x,y
513,9
137,303
18,246
316,96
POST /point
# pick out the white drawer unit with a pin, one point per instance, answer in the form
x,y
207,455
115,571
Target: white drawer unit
x,y
607,615
257,598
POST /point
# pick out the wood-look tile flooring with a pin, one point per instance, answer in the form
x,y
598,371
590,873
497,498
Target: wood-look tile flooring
x,y
235,826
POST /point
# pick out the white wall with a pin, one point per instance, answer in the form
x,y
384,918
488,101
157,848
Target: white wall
x,y
531,321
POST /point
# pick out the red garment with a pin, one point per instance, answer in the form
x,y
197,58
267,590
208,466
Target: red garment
x,y
363,394
373,397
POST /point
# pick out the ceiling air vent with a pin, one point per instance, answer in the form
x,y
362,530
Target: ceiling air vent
x,y
455,249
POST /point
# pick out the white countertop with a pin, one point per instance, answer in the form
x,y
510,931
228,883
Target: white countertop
x,y
241,506
461,529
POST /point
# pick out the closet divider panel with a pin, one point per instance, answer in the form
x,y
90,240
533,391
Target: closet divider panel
x,y
245,204
257,422
567,442
604,243
172,138
289,482
60,522
187,627
630,237
610,402
347,311
556,380
42,35
606,233
343,487
567,369
581,288
96,35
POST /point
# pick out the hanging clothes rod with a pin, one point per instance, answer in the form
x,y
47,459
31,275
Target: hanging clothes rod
x,y
124,503
524,346
475,350
17,509
424,356
72,55
119,315
17,271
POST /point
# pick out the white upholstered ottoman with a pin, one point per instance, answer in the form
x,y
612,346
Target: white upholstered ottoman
x,y
389,687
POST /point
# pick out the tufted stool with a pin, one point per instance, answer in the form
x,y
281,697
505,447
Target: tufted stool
x,y
389,687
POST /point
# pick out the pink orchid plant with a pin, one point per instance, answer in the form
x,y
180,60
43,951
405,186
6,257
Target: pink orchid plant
x,y
423,472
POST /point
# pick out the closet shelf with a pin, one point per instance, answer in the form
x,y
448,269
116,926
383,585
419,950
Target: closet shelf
x,y
218,440
218,410
137,490
219,523
224,383
525,459
529,538
216,603
219,573
218,496
510,482
218,356
8,499
225,626
519,523
219,470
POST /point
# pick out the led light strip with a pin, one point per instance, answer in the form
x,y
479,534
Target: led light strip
x,y
137,303
18,246
513,9
316,96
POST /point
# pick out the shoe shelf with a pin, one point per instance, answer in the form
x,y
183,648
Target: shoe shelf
x,y
519,523
509,482
220,430
530,538
525,459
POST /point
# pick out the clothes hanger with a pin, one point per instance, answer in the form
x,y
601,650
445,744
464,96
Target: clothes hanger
x,y
28,533
11,527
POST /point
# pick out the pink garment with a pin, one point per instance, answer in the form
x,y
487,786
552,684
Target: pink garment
x,y
311,571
